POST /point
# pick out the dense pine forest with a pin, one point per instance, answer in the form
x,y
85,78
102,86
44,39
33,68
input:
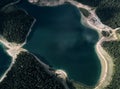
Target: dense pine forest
x,y
107,10
15,25
28,73
113,48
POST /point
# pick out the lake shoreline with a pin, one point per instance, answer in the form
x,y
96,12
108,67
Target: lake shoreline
x,y
105,60
106,68
85,22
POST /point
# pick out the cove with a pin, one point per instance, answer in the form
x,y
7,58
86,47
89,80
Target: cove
x,y
61,41
5,60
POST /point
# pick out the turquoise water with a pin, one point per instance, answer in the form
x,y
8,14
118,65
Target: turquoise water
x,y
5,60
59,39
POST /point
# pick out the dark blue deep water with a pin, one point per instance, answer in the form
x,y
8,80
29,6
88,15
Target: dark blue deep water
x,y
59,39
5,60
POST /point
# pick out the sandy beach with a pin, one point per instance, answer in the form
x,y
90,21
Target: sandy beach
x,y
106,61
106,64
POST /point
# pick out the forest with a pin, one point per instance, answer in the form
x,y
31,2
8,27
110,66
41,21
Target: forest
x,y
109,13
113,49
15,25
29,73
107,10
93,3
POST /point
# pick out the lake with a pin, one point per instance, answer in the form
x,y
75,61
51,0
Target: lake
x,y
61,41
5,60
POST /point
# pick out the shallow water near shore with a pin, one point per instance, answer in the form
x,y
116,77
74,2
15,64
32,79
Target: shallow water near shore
x,y
59,39
5,60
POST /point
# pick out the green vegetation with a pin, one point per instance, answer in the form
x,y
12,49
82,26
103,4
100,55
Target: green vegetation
x,y
105,33
118,33
92,3
15,25
107,10
84,12
113,49
28,73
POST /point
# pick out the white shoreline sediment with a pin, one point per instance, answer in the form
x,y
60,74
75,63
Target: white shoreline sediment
x,y
105,59
106,64
61,73
13,50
